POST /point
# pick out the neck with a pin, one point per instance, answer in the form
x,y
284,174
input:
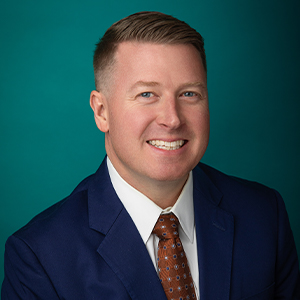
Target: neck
x,y
163,193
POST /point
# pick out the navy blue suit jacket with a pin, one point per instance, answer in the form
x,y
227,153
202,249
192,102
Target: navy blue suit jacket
x,y
87,246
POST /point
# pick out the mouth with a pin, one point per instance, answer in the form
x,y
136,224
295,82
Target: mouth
x,y
167,145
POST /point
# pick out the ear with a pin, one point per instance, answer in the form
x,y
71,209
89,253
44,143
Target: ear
x,y
98,104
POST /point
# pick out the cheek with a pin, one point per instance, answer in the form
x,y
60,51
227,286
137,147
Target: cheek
x,y
204,122
199,121
138,120
129,125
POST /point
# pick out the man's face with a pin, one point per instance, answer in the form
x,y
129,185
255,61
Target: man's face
x,y
156,113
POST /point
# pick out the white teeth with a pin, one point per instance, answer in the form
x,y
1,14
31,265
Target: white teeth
x,y
167,145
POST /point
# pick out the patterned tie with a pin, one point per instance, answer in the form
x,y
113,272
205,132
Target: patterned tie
x,y
173,269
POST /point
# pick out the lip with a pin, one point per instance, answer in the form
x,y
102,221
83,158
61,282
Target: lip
x,y
167,145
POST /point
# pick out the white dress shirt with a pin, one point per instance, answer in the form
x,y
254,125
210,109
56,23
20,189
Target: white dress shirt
x,y
145,213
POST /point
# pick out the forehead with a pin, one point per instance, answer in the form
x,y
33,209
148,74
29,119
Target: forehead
x,y
158,60
133,48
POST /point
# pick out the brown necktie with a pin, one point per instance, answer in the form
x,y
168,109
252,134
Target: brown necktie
x,y
173,269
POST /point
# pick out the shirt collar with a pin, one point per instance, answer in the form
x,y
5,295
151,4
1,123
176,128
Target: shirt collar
x,y
144,212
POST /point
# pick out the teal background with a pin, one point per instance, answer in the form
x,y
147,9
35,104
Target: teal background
x,y
49,141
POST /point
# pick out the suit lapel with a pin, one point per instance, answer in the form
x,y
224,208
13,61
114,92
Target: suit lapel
x,y
129,259
124,251
215,230
122,248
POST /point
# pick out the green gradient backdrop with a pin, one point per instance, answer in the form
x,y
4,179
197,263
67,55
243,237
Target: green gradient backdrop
x,y
49,141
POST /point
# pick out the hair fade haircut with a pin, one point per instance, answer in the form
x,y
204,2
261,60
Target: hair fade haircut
x,y
147,27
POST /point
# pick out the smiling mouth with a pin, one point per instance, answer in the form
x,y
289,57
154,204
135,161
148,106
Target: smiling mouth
x,y
167,145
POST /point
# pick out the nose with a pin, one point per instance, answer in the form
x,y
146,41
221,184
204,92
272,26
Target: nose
x,y
169,114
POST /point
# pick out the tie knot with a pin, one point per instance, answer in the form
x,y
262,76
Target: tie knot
x,y
166,227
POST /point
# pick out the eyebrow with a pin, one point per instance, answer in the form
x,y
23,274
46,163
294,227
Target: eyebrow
x,y
193,84
141,83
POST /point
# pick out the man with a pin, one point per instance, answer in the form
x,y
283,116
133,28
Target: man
x,y
153,222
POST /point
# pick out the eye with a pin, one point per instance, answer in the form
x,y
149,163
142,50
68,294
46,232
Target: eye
x,y
147,97
146,94
189,94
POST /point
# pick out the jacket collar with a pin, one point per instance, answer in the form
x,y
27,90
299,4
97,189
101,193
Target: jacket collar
x,y
122,247
124,251
215,232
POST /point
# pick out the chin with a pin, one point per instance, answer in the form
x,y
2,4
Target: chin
x,y
170,176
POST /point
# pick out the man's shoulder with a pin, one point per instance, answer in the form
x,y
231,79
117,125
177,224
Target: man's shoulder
x,y
225,182
60,217
70,211
237,193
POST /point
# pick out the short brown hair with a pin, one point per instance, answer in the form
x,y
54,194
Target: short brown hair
x,y
154,27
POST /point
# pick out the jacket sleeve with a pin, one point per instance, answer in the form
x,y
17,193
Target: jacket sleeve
x,y
287,264
25,277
